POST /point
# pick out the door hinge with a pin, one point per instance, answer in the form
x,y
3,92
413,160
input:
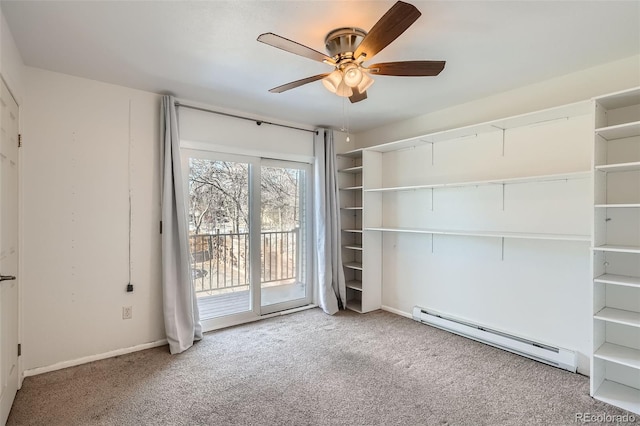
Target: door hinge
x,y
19,349
19,140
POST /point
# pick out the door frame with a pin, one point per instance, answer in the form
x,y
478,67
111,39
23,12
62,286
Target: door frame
x,y
255,162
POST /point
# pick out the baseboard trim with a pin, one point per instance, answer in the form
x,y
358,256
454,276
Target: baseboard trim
x,y
91,358
396,311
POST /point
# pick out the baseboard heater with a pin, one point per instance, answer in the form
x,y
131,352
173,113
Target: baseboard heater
x,y
558,357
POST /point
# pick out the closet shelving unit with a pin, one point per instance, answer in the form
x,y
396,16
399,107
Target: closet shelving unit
x,y
441,208
350,171
497,126
615,367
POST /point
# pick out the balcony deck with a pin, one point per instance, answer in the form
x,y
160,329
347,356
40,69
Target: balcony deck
x,y
212,306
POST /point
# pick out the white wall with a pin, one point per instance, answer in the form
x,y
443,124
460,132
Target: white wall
x,y
77,134
574,87
11,65
75,187
204,130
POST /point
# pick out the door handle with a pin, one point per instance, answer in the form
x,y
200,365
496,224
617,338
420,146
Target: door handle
x,y
7,278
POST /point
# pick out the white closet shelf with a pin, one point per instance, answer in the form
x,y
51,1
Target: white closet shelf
x,y
352,246
355,305
621,99
357,231
618,249
613,206
620,131
521,235
562,112
620,167
354,170
622,280
619,354
619,395
351,188
356,153
619,316
353,265
354,285
355,208
507,181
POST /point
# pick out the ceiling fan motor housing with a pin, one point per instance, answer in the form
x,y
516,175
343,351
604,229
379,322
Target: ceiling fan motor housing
x,y
342,42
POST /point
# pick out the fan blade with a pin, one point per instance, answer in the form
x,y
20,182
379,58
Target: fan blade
x,y
393,23
408,68
291,46
297,83
357,96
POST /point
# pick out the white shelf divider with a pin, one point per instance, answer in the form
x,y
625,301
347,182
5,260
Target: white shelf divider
x,y
353,246
618,280
619,395
355,305
351,188
620,167
507,181
619,354
619,316
357,231
351,208
616,206
353,265
620,131
618,249
354,285
352,170
496,234
354,153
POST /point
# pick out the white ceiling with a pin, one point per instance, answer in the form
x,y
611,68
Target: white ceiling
x,y
207,51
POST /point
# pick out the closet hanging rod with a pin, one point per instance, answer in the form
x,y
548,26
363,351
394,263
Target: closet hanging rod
x,y
258,122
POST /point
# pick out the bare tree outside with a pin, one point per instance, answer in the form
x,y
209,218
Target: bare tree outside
x,y
219,225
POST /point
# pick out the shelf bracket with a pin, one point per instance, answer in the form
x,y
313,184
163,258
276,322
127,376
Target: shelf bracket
x,y
503,196
502,256
431,199
432,151
503,136
432,237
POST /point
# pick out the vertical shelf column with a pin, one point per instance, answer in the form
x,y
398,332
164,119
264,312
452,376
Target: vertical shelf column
x,y
350,171
615,364
372,240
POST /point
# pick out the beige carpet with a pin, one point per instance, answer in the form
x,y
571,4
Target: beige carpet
x,y
309,368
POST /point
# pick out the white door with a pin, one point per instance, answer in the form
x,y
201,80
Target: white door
x,y
8,252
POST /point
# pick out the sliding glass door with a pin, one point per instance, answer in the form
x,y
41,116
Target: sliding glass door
x,y
284,235
249,230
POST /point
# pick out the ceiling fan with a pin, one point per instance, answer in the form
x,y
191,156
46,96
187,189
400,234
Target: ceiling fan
x,y
349,48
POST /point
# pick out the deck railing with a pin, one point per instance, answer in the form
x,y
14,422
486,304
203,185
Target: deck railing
x,y
221,261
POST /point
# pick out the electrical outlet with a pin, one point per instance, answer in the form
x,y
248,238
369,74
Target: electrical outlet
x,y
127,312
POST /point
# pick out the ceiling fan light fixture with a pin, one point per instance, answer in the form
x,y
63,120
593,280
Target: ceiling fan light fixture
x,y
344,90
332,81
365,83
352,75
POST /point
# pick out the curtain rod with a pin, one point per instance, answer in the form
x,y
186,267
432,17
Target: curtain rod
x,y
258,122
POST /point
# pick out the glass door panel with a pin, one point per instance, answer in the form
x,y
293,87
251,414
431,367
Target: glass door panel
x,y
284,235
219,243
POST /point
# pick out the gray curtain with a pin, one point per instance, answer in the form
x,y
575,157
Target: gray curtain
x,y
181,316
332,292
